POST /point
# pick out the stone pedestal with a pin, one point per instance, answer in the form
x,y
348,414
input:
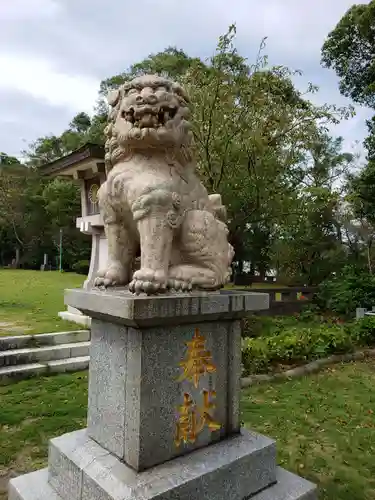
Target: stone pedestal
x,y
163,414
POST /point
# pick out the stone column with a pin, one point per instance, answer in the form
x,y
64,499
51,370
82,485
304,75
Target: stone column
x,y
99,253
149,357
163,413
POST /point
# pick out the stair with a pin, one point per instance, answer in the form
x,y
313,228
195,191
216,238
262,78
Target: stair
x,y
32,355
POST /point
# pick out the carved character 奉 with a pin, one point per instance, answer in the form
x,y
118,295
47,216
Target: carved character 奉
x,y
152,197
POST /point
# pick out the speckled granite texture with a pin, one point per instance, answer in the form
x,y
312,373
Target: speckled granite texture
x,y
128,451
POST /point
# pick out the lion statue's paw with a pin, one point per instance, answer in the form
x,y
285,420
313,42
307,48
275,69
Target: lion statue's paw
x,y
148,281
179,285
114,275
189,276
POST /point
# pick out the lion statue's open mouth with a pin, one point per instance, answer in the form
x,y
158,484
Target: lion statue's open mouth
x,y
149,111
149,116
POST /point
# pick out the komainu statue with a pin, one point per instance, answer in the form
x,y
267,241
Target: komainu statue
x,y
152,198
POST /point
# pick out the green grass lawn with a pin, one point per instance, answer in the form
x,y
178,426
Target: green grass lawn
x,y
324,425
30,301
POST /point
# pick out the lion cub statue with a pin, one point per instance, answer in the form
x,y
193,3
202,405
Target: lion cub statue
x,y
153,199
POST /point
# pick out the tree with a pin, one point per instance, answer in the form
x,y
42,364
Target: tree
x,y
171,62
254,132
62,203
369,142
81,123
8,160
81,129
44,150
358,237
251,127
32,211
309,247
350,51
361,194
20,208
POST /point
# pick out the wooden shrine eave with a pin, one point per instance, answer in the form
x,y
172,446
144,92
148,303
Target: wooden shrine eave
x,y
82,163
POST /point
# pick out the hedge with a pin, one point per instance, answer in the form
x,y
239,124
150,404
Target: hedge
x,y
294,345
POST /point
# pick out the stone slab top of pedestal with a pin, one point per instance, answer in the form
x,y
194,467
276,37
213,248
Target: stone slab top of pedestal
x,y
120,306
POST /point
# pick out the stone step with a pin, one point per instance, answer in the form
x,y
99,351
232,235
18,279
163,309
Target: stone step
x,y
27,355
10,374
35,486
43,339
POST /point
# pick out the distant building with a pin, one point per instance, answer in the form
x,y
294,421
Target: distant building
x,y
86,165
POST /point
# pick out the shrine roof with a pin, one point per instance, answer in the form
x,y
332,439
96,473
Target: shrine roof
x,y
65,165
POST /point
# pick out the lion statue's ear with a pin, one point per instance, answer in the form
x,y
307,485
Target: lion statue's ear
x,y
180,91
113,97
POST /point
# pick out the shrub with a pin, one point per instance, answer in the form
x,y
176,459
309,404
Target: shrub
x,y
351,289
294,345
363,331
81,267
298,344
256,326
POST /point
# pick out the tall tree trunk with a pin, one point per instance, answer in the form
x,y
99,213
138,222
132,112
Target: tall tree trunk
x,y
17,260
262,272
252,269
240,267
369,263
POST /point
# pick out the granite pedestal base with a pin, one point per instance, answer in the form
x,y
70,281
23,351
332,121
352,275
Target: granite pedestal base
x,y
163,412
238,468
152,359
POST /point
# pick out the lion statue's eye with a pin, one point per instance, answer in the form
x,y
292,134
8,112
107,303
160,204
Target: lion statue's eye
x,y
132,91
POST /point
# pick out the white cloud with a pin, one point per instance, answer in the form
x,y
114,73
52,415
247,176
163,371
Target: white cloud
x,y
57,51
297,27
40,80
19,10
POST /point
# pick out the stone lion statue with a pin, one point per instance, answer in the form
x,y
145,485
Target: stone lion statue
x,y
152,198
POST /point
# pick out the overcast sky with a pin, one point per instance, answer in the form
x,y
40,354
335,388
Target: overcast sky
x,y
54,53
